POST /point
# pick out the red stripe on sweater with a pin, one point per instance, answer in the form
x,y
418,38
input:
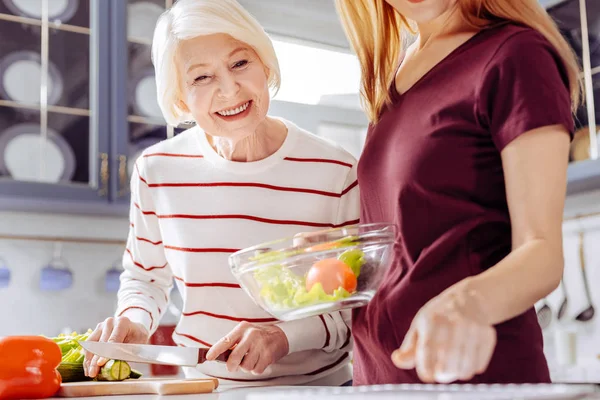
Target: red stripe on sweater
x,y
347,223
325,368
328,335
143,212
349,188
257,219
348,335
140,175
144,294
209,284
318,160
246,184
137,264
195,339
139,308
173,155
241,216
227,317
201,249
141,239
316,372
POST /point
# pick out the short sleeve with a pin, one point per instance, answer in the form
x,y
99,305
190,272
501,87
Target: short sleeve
x,y
524,86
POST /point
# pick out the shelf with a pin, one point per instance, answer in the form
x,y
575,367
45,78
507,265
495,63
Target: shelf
x,y
583,176
37,22
146,120
139,41
51,108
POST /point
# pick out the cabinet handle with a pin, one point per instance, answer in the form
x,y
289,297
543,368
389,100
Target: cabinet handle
x,y
123,187
104,175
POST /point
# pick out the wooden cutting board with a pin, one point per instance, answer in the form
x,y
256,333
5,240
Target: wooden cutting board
x,y
138,386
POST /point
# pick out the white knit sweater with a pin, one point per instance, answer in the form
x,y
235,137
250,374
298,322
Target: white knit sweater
x,y
191,209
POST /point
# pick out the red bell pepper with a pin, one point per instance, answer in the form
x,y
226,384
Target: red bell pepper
x,y
28,367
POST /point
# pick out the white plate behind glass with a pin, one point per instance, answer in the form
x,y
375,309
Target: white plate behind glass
x,y
62,10
27,156
21,74
141,19
145,97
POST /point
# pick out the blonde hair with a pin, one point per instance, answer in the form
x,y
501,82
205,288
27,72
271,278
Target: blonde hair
x,y
377,31
188,19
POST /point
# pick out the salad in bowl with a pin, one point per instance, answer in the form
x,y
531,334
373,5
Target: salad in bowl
x,y
316,273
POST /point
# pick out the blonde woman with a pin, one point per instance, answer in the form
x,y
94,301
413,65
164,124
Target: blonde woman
x,y
238,178
467,152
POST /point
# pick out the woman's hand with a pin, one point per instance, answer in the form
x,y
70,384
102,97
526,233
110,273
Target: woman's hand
x,y
117,330
449,338
256,347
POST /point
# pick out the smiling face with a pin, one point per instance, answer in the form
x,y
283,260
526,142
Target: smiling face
x,y
224,85
421,11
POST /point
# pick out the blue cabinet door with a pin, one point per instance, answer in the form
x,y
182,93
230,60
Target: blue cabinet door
x,y
55,106
137,121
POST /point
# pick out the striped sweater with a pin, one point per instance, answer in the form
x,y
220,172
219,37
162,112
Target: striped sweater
x,y
191,208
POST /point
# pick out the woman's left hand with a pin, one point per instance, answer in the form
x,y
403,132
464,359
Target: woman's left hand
x,y
256,347
449,338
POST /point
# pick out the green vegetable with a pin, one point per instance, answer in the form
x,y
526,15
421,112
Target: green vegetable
x,y
135,374
72,372
281,288
354,258
114,370
71,366
279,255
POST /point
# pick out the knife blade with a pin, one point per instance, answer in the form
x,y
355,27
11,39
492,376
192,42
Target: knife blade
x,y
151,354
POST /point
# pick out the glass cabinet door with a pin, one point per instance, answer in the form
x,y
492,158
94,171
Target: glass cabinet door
x,y
53,99
137,120
579,22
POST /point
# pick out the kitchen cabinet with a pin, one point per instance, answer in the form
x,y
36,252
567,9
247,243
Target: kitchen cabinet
x,y
579,22
79,136
54,102
77,95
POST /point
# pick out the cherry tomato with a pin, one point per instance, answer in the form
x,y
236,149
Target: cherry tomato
x,y
332,274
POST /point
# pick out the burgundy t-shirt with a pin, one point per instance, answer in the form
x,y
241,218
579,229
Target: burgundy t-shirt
x,y
432,166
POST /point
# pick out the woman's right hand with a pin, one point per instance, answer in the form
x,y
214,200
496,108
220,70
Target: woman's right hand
x,y
117,330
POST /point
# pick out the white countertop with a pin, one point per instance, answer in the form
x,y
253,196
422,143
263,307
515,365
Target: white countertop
x,y
408,392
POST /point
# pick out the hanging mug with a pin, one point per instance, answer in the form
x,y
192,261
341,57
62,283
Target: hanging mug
x,y
57,275
112,277
4,274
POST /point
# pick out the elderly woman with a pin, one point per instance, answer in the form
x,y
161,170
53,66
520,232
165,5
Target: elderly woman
x,y
239,177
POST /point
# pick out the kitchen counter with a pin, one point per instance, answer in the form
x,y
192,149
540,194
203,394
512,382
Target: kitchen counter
x,y
408,392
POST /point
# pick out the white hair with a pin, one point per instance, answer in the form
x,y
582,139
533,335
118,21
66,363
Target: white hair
x,y
188,19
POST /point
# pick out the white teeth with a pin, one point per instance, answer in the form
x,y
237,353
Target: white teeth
x,y
234,111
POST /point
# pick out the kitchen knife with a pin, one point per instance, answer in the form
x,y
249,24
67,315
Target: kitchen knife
x,y
151,354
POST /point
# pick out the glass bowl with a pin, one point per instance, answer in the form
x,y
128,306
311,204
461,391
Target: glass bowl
x,y
317,272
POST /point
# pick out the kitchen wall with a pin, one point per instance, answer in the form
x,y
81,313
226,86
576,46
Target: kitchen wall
x,y
25,309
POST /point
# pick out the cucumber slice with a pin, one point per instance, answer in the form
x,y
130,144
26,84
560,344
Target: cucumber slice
x,y
114,370
135,374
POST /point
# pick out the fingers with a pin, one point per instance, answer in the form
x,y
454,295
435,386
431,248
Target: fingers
x,y
304,238
432,340
465,365
227,341
249,361
94,337
486,350
97,361
404,357
119,332
264,360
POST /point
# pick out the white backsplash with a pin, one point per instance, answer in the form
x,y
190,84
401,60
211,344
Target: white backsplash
x,y
24,309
